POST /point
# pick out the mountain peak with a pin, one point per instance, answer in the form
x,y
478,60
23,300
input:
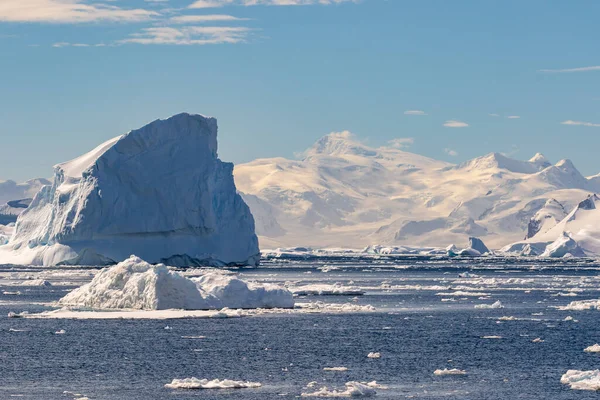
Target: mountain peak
x,y
340,143
540,160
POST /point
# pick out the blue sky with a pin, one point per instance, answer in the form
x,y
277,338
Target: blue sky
x,y
279,76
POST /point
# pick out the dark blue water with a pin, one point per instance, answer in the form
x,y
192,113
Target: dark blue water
x,y
134,359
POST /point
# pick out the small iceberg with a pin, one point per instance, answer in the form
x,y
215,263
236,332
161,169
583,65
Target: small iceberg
x,y
446,371
353,389
582,380
593,349
497,304
195,383
136,284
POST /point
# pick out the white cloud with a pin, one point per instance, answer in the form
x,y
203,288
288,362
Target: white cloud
x,y
414,112
68,12
580,69
455,124
581,123
513,117
223,3
189,35
450,152
494,115
401,143
184,19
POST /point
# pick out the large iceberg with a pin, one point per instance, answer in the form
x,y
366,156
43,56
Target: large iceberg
x,y
159,192
136,284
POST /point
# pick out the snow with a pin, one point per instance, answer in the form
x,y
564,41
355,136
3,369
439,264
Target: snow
x,y
353,389
136,284
11,190
581,380
577,234
446,371
159,192
195,383
593,349
347,193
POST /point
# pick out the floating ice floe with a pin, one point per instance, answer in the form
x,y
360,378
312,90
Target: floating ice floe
x,y
326,290
582,380
446,371
593,349
538,340
35,282
581,305
492,337
136,284
337,369
497,304
195,383
353,389
374,355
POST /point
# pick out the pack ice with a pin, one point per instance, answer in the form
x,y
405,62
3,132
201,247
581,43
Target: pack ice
x,y
136,284
159,192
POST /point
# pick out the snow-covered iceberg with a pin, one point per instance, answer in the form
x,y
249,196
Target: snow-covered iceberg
x,y
159,192
136,284
581,380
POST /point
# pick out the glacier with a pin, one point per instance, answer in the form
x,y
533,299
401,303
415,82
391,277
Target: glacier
x,y
159,192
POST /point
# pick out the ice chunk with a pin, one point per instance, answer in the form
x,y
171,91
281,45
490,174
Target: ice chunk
x,y
326,290
337,369
581,305
136,284
374,355
353,389
593,349
497,304
477,244
195,383
446,371
582,380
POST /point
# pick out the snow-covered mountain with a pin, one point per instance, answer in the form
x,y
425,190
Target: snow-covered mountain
x,y
578,234
344,193
159,192
11,190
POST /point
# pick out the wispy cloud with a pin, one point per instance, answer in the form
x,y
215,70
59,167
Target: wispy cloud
x,y
455,124
186,19
580,123
450,152
68,12
567,70
223,3
513,117
494,115
401,143
414,112
189,35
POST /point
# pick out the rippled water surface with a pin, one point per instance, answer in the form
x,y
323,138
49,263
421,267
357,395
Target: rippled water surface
x,y
424,319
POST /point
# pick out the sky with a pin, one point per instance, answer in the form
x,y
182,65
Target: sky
x,y
451,79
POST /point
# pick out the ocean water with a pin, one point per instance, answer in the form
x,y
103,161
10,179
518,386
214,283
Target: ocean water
x,y
413,329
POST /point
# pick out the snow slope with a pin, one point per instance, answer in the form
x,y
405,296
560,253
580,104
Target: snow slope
x,y
344,193
159,192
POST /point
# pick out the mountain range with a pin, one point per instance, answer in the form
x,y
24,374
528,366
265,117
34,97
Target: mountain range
x,y
344,193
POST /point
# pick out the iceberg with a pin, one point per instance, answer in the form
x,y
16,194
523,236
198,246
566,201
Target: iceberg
x,y
136,284
581,380
195,383
159,192
353,389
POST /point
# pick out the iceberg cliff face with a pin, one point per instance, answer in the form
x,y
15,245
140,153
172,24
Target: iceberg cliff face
x,y
159,192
